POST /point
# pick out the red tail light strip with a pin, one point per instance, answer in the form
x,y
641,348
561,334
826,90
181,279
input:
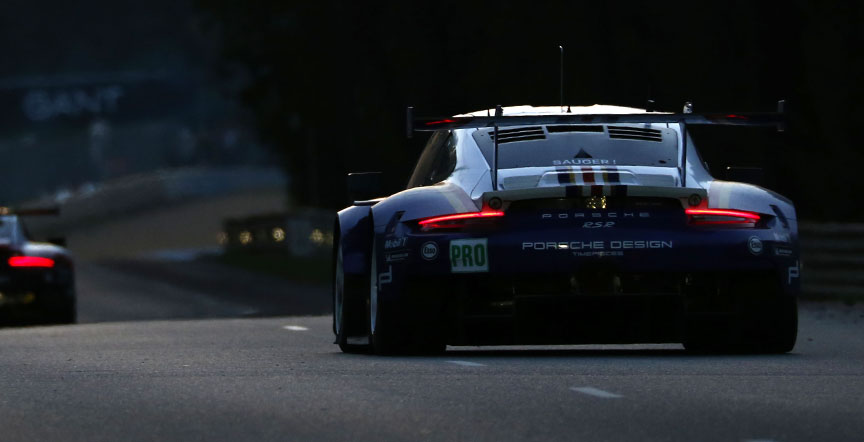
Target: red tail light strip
x,y
752,217
460,216
446,121
30,261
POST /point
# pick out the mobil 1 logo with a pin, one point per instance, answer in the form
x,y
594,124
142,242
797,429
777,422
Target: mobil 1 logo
x,y
469,256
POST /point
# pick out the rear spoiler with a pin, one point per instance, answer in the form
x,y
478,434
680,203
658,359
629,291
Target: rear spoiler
x,y
755,119
765,119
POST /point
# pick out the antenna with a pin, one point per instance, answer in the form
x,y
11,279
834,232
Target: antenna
x,y
650,104
683,125
561,48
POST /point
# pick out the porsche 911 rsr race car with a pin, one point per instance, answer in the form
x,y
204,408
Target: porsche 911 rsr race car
x,y
36,279
540,225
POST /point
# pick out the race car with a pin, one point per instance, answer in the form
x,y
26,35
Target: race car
x,y
566,225
37,283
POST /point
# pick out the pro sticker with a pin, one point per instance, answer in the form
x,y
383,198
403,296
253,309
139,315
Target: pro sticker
x,y
469,256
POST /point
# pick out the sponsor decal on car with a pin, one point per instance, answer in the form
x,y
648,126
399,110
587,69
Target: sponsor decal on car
x,y
598,254
395,243
793,272
429,250
582,162
597,245
469,256
782,251
598,224
385,277
595,215
396,257
754,244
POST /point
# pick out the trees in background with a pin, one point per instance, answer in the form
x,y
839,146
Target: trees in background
x,y
329,81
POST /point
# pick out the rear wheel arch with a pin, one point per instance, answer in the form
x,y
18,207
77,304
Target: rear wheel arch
x,y
351,244
354,226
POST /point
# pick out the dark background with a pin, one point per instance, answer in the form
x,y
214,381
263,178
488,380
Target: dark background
x,y
324,84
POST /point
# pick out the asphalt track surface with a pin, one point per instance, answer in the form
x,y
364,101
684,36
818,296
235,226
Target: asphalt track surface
x,y
234,378
179,351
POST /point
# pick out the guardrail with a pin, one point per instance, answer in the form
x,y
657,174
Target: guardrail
x,y
140,192
832,257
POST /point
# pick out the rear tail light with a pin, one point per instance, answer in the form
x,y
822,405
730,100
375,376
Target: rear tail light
x,y
457,220
30,261
722,216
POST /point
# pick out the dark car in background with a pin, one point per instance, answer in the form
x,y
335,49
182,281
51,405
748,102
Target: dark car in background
x,y
37,279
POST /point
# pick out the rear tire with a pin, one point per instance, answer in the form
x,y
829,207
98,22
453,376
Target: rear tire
x,y
772,328
383,337
347,317
387,335
64,311
387,339
783,328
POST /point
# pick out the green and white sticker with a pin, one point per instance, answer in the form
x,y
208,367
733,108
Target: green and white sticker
x,y
469,256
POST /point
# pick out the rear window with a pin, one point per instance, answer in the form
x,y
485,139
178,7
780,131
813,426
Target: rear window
x,y
7,226
580,145
437,161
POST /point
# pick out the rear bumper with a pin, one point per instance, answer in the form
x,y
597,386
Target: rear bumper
x,y
29,293
559,283
639,259
511,310
631,250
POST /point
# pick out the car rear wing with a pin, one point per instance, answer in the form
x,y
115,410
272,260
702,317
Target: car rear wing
x,y
754,119
424,124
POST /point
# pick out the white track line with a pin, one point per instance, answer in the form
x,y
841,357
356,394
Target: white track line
x,y
467,364
596,392
295,328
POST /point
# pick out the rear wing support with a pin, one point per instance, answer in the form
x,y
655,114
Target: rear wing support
x,y
499,112
683,169
752,119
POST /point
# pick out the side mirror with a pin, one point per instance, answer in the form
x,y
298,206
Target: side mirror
x,y
750,175
364,186
58,241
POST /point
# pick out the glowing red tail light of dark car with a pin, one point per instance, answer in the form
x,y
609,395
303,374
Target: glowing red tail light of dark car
x,y
30,261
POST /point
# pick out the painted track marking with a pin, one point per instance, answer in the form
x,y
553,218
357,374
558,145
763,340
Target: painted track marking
x,y
467,364
596,392
295,328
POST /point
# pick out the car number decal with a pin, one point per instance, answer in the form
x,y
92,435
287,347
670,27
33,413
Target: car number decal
x,y
469,256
